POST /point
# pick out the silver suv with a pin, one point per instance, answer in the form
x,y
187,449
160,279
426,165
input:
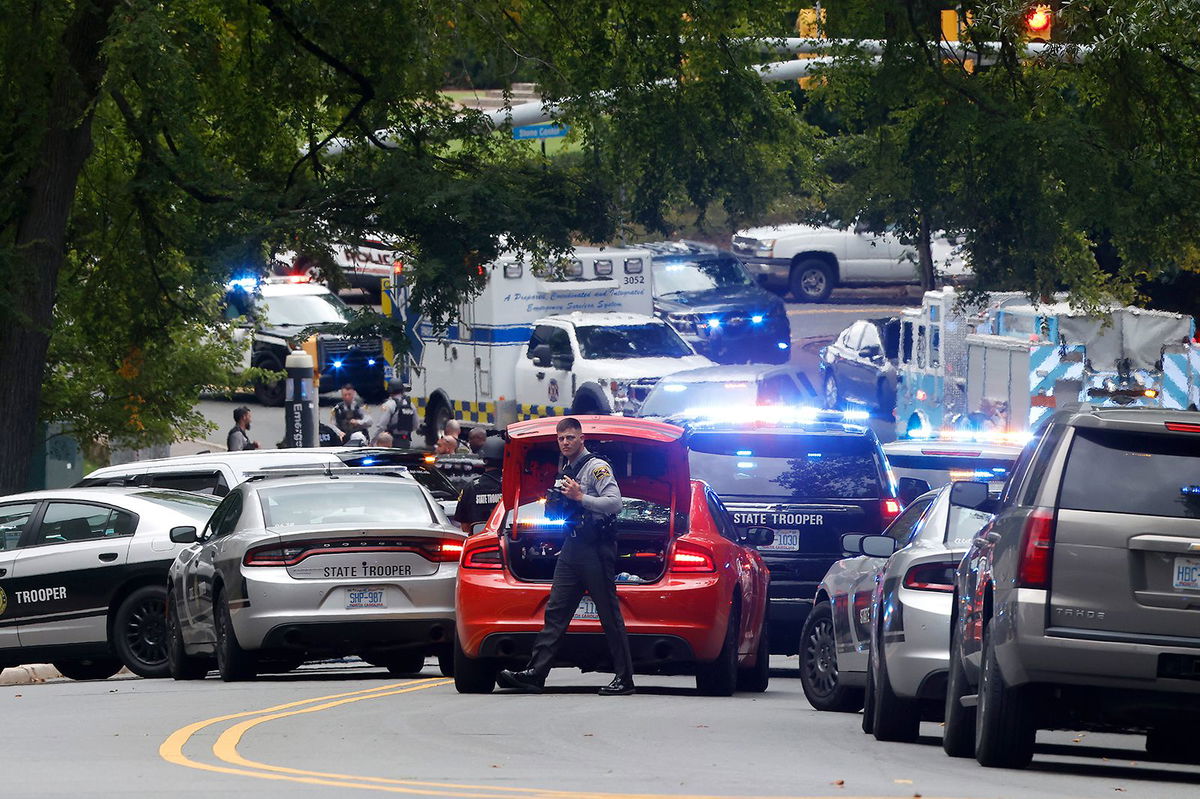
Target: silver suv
x,y
1079,606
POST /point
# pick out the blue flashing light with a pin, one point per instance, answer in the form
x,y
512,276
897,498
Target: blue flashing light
x,y
674,388
368,461
999,470
1191,491
745,453
757,319
745,464
783,345
337,364
370,361
816,455
856,415
244,283
714,323
543,522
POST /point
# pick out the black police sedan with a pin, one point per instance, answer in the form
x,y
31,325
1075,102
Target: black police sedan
x,y
712,302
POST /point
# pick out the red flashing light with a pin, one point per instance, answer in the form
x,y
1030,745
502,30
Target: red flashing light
x,y
1037,548
1038,19
953,453
890,509
688,558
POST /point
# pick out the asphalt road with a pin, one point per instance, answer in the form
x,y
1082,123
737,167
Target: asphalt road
x,y
338,731
813,326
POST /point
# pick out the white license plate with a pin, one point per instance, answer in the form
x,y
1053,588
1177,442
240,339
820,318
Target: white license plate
x,y
1187,573
785,541
587,610
362,598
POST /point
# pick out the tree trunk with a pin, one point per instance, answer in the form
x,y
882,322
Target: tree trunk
x,y
41,231
925,254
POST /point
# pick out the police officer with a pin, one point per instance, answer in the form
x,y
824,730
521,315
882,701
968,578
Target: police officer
x,y
587,562
239,435
350,417
397,415
481,495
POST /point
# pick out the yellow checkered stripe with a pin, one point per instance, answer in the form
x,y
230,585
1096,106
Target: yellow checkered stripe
x,y
538,411
463,410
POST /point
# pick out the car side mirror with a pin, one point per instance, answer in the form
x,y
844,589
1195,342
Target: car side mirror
x,y
970,494
563,361
449,506
851,542
759,537
877,546
478,527
183,535
541,355
910,488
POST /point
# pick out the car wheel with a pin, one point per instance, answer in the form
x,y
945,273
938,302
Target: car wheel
x,y
894,718
473,675
1004,729
139,632
719,678
182,665
833,397
1173,743
89,669
812,281
868,716
819,668
446,664
406,664
436,417
270,394
756,678
233,662
958,736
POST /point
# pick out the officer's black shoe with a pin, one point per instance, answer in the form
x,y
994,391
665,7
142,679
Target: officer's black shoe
x,y
620,686
527,682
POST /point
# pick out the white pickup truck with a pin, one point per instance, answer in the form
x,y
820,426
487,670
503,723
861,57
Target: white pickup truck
x,y
812,261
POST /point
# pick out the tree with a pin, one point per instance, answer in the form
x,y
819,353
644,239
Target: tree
x,y
152,149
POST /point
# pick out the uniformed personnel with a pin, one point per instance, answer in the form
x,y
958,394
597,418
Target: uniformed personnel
x,y
397,415
586,563
482,493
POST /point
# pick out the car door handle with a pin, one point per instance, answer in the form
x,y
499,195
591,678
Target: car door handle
x,y
108,557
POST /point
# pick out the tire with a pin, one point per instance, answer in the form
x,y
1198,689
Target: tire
x,y
90,669
473,675
719,678
818,665
1172,743
756,678
436,417
273,394
406,664
233,662
958,735
446,664
833,397
586,403
868,716
894,718
182,665
811,280
1004,730
139,632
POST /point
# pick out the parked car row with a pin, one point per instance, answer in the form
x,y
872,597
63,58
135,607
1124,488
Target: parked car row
x,y
1066,600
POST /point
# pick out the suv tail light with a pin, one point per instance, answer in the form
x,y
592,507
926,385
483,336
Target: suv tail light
x,y
436,550
931,577
688,558
1037,547
484,555
889,509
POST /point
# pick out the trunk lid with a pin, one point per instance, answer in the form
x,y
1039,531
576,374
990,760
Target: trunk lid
x,y
330,553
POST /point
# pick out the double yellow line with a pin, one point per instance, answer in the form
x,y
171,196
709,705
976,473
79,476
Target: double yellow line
x,y
225,749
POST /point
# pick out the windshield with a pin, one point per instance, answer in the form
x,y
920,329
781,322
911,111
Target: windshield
x,y
675,275
671,399
195,506
651,340
301,310
387,503
795,466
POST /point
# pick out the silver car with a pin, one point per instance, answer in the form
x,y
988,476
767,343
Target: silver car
x,y
291,568
887,619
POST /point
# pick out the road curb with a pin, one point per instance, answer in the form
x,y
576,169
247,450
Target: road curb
x,y
27,675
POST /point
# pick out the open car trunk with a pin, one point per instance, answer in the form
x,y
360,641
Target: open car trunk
x,y
649,462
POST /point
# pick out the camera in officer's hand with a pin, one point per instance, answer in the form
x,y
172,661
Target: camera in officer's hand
x,y
560,507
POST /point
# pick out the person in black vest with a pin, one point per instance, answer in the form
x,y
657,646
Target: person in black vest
x,y
397,415
587,562
350,418
239,435
481,495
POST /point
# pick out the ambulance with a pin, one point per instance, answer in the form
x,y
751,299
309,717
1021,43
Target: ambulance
x,y
537,342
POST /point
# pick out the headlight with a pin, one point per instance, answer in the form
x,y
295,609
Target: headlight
x,y
682,322
765,247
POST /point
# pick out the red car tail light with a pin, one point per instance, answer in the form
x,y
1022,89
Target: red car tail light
x,y
436,550
1183,427
889,509
273,555
1037,548
449,550
485,555
688,558
931,577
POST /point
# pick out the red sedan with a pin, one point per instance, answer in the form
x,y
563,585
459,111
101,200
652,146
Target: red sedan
x,y
692,591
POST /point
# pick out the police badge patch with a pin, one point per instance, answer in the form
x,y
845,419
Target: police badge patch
x,y
3,601
600,472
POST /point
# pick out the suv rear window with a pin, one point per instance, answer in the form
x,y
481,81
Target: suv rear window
x,y
1123,472
797,466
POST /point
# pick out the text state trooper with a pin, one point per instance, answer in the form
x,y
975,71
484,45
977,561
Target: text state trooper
x,y
586,563
481,495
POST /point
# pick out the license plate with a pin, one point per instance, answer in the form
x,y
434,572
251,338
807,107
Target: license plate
x,y
362,598
587,610
785,541
1187,573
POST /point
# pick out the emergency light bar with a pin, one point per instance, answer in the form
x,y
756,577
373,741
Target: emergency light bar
x,y
769,414
1019,439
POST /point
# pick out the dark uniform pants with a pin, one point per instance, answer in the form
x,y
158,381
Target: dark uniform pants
x,y
590,570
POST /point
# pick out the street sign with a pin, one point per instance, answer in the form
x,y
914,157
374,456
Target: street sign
x,y
528,132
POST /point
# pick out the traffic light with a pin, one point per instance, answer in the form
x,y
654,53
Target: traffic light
x,y
1039,23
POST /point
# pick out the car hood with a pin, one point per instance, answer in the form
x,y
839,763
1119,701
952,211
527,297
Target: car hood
x,y
782,231
738,299
639,368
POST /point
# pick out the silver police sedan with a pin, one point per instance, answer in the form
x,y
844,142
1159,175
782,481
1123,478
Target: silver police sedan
x,y
299,567
882,619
